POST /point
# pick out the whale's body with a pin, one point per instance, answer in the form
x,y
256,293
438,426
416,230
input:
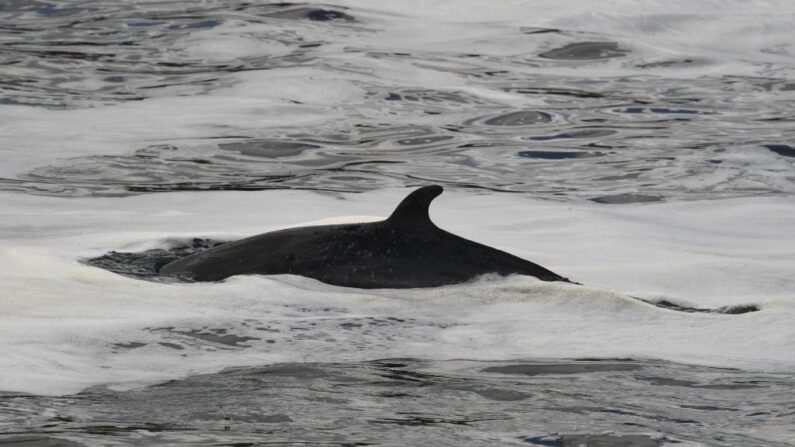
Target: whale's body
x,y
404,251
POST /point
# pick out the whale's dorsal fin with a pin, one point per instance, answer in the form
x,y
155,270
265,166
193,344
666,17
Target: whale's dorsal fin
x,y
413,210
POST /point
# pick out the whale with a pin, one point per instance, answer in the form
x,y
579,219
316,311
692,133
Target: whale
x,y
406,250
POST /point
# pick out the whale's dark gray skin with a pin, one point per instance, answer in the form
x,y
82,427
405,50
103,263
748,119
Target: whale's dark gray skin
x,y
404,251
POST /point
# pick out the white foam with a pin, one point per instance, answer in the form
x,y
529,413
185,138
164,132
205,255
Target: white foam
x,y
65,325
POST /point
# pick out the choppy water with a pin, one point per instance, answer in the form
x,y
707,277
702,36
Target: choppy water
x,y
604,403
560,112
648,149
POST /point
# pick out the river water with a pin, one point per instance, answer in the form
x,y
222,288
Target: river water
x,y
643,149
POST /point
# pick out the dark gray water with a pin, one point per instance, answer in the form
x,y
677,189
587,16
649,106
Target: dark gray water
x,y
604,403
594,117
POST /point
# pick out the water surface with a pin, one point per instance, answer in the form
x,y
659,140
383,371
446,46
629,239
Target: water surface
x,y
642,149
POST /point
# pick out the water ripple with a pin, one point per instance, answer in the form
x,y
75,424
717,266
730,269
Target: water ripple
x,y
558,113
598,402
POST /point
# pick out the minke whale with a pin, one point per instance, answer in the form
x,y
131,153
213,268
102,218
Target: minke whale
x,y
404,251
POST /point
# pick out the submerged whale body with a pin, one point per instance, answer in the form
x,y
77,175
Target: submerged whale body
x,y
404,251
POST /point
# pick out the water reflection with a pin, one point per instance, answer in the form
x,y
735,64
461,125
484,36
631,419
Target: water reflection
x,y
497,120
585,51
